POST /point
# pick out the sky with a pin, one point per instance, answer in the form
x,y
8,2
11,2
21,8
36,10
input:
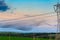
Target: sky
x,y
32,6
29,16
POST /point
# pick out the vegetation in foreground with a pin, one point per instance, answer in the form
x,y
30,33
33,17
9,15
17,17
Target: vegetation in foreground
x,y
20,38
26,36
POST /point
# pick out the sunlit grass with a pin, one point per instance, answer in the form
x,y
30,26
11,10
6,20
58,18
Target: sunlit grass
x,y
20,38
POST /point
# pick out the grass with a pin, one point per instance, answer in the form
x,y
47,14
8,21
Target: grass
x,y
20,38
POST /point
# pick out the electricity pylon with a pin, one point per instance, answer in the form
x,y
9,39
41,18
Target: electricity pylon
x,y
57,10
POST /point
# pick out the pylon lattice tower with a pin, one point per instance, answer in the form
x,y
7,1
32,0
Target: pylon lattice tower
x,y
57,10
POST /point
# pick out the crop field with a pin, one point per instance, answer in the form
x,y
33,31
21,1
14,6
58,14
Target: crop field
x,y
20,38
26,36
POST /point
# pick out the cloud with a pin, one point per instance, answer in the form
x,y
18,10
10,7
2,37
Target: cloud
x,y
27,23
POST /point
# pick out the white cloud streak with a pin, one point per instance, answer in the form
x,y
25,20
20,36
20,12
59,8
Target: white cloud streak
x,y
27,22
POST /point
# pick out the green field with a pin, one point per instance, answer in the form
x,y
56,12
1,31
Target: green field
x,y
20,38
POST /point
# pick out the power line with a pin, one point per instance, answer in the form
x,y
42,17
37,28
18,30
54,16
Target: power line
x,y
57,10
52,14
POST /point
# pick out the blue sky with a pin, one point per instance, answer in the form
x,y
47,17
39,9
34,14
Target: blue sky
x,y
25,5
29,7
